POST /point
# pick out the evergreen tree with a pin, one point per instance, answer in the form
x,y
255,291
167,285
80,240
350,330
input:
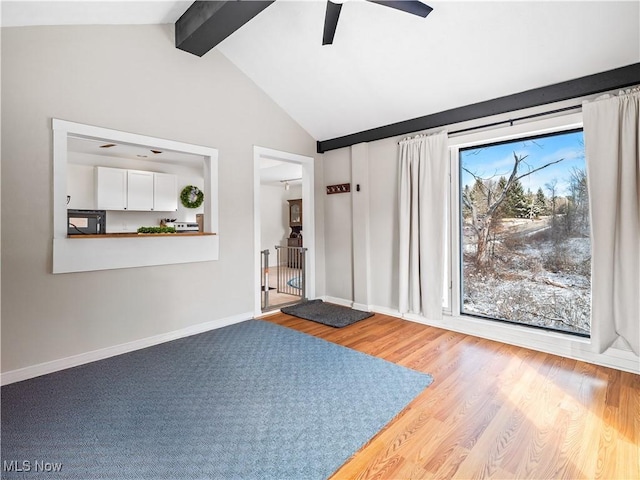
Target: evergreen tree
x,y
540,202
540,198
516,201
502,211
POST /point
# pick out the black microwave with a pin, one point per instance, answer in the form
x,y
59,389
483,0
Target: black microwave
x,y
86,222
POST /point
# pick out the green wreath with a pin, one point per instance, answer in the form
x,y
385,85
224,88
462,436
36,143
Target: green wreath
x,y
191,197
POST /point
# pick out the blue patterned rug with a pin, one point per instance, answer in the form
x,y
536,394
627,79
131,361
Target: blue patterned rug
x,y
249,401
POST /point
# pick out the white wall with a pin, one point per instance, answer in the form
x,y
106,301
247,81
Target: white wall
x,y
274,217
129,78
383,232
338,226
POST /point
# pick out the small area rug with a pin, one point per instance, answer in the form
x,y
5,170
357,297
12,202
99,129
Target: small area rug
x,y
326,313
252,400
295,282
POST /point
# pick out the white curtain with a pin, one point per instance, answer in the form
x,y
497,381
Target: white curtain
x,y
422,195
612,145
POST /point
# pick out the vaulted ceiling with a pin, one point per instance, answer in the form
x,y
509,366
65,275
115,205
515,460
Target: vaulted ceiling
x,y
386,66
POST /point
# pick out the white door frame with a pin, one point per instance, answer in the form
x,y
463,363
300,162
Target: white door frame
x,y
308,217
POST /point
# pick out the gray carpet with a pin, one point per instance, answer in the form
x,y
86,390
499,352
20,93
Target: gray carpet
x,y
249,401
326,313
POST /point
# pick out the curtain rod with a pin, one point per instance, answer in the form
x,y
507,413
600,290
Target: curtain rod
x,y
518,119
511,120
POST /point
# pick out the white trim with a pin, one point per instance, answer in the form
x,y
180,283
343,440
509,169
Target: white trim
x,y
520,336
80,129
361,306
338,301
525,337
95,355
308,217
257,241
552,342
543,341
268,313
78,255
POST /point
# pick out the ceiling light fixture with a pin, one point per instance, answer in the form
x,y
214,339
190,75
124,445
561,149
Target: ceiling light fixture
x,y
286,182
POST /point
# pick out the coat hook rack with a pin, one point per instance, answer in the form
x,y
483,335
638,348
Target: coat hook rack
x,y
340,188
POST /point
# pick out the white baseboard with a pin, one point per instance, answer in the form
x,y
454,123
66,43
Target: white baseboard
x,y
268,313
337,301
613,358
361,306
87,357
385,311
547,342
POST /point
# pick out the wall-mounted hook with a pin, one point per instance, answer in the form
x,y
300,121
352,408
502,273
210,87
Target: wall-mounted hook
x,y
340,188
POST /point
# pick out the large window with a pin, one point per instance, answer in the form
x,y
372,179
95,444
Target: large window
x,y
525,251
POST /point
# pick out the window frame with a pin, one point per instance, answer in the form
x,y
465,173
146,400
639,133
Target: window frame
x,y
454,265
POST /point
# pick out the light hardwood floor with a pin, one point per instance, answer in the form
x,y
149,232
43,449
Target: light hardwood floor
x,y
493,410
279,299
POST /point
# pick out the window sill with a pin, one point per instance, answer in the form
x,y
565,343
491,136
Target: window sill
x,y
114,251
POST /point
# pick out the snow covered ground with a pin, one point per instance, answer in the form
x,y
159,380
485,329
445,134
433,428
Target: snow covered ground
x,y
536,282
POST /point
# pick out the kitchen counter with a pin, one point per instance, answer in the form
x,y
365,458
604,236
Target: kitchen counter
x,y
136,235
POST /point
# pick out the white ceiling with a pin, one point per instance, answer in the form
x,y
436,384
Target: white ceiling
x,y
387,66
274,172
141,153
91,12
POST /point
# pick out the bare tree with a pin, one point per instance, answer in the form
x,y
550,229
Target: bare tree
x,y
484,215
577,220
552,186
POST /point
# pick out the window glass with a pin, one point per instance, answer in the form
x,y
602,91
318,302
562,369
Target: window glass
x,y
525,248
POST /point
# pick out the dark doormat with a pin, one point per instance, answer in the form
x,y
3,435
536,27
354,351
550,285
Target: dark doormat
x,y
326,313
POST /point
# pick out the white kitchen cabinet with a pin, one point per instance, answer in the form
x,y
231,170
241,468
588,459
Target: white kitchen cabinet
x,y
135,190
165,192
111,188
139,190
81,187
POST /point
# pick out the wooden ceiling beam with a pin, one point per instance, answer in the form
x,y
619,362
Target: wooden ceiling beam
x,y
207,23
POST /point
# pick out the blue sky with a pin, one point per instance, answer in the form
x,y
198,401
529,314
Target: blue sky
x,y
497,160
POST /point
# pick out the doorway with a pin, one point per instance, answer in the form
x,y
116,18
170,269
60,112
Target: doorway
x,y
293,174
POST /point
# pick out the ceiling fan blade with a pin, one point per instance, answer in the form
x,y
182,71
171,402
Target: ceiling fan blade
x,y
410,6
331,22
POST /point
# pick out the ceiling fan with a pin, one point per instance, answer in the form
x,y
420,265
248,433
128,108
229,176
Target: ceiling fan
x,y
414,7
